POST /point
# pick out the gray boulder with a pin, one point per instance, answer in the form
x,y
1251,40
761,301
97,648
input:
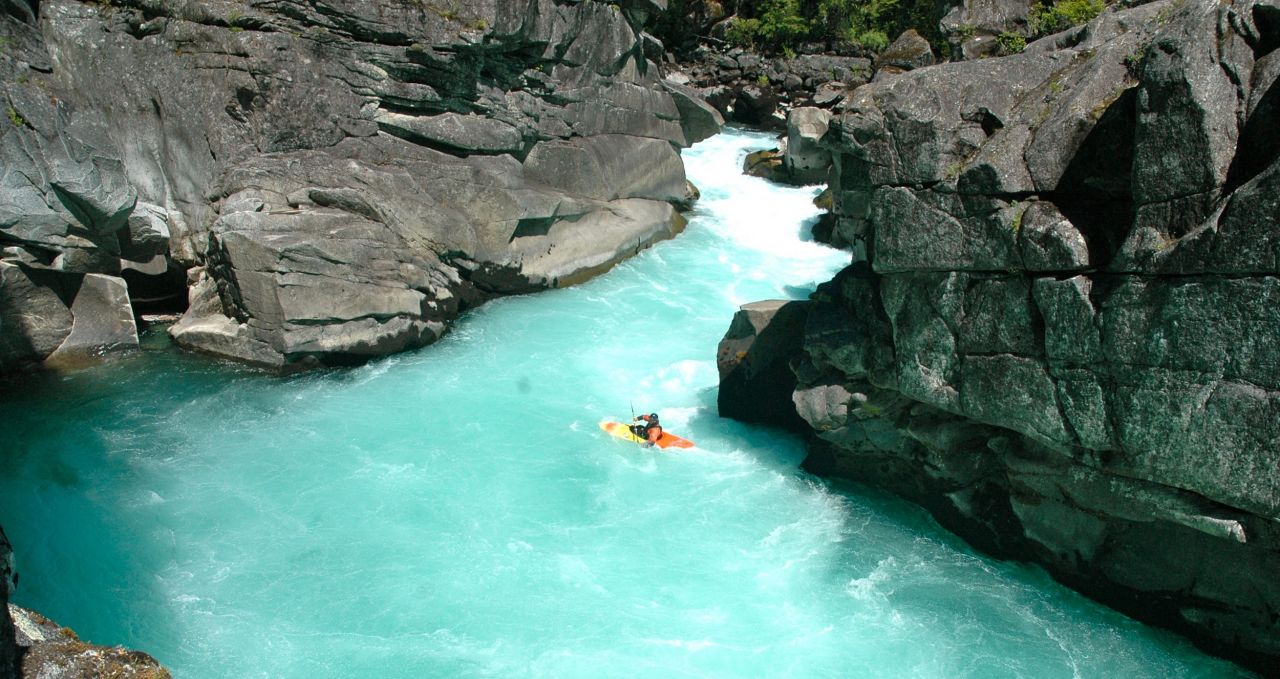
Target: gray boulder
x,y
147,235
766,164
806,160
315,262
699,119
102,321
62,318
756,381
35,321
608,167
910,50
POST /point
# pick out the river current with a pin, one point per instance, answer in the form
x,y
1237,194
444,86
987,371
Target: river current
x,y
456,511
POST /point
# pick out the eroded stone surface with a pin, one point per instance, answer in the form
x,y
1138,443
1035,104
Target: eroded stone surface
x,y
346,178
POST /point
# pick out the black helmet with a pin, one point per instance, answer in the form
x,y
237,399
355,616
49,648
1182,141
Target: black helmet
x,y
653,417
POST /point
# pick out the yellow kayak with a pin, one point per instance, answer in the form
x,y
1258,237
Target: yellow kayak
x,y
622,431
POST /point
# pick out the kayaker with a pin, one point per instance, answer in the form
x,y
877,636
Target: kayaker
x,y
647,428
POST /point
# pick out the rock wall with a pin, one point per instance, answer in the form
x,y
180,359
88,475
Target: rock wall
x,y
1059,331
8,645
338,181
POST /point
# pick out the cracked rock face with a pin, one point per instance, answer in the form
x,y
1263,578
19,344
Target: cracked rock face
x,y
342,181
1060,330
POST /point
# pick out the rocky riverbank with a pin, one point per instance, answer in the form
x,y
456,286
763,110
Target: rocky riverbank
x,y
322,184
1058,331
34,647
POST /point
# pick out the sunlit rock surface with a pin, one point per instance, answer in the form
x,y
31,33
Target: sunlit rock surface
x,y
340,181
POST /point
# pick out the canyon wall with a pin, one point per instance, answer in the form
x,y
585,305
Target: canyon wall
x,y
1059,328
323,182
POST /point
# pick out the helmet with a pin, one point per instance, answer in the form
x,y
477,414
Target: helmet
x,y
653,417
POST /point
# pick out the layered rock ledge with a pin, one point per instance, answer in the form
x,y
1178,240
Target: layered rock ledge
x,y
1059,329
326,182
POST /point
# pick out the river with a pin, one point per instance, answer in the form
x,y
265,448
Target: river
x,y
456,512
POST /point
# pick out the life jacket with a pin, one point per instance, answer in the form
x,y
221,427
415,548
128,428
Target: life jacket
x,y
642,430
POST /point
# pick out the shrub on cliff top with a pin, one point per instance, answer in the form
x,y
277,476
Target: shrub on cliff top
x,y
779,25
1063,14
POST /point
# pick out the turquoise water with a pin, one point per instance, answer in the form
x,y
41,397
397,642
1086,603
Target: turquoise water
x,y
456,512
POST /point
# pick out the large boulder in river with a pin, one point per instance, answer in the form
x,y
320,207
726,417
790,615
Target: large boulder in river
x,y
756,380
806,160
306,162
60,316
1061,332
799,158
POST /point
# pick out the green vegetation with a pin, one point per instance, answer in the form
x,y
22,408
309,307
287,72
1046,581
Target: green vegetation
x,y
876,41
779,25
1063,14
16,118
785,25
1133,63
873,23
1010,43
1016,225
792,26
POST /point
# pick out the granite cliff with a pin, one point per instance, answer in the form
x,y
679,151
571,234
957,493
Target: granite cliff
x,y
326,181
1059,329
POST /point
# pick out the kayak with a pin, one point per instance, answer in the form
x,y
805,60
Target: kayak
x,y
667,440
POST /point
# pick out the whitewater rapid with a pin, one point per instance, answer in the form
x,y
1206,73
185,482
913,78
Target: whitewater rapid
x,y
456,512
